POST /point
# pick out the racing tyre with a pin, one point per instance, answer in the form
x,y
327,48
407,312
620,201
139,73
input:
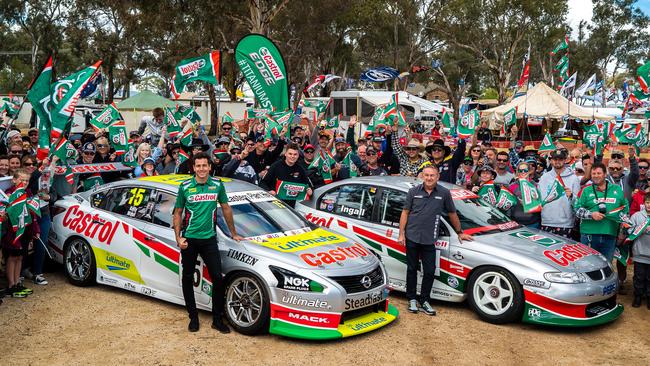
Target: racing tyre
x,y
79,263
496,295
247,304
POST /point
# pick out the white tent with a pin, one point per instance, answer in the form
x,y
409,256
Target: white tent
x,y
541,101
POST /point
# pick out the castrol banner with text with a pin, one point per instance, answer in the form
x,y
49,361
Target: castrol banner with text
x,y
263,67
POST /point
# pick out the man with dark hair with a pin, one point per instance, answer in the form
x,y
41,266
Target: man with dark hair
x,y
595,207
151,126
642,182
503,175
195,218
261,158
286,170
418,230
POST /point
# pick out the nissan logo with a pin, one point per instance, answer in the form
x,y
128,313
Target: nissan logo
x,y
366,282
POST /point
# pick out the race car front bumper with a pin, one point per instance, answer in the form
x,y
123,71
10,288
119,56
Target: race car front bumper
x,y
297,323
541,309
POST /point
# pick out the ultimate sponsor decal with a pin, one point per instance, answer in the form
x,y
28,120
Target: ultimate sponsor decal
x,y
242,257
569,253
89,225
335,255
537,238
116,264
296,300
312,239
362,302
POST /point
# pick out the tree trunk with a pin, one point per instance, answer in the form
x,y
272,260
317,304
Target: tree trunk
x,y
214,118
111,85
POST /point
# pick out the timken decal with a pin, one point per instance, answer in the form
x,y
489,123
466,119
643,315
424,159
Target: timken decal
x,y
91,226
569,253
334,255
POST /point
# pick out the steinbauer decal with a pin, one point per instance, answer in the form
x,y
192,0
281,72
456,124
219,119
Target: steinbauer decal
x,y
320,221
242,257
569,253
90,226
308,303
370,299
304,241
334,255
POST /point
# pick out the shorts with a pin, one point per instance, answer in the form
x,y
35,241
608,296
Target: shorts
x,y
14,252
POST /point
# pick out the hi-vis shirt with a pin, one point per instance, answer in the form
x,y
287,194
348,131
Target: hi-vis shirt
x,y
199,202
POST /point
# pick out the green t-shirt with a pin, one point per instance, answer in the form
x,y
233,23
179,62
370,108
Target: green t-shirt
x,y
615,203
199,202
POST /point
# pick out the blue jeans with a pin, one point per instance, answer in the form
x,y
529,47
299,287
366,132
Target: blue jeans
x,y
605,244
44,223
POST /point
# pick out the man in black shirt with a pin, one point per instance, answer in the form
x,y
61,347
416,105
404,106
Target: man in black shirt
x,y
286,170
261,158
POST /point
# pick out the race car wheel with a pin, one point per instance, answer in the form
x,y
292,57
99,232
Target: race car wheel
x,y
79,261
247,304
495,295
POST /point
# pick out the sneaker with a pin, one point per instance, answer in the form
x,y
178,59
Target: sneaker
x,y
413,306
40,280
428,309
194,325
23,289
637,301
221,327
15,293
26,274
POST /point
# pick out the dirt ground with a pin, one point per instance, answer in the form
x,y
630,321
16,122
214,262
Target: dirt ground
x,y
61,324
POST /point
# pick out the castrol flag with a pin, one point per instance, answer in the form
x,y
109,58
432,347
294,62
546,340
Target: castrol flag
x,y
206,68
290,191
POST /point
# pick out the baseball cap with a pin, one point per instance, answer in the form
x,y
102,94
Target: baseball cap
x,y
148,160
222,140
371,149
12,134
89,146
134,134
339,140
259,139
558,154
309,146
377,139
519,143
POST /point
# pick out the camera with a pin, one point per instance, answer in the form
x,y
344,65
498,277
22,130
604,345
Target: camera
x,y
602,208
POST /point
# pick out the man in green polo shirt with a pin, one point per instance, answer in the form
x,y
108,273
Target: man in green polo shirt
x,y
600,206
195,218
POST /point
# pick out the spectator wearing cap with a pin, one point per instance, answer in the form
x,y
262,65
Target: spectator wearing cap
x,y
558,216
14,136
151,127
88,180
642,182
516,147
343,169
221,155
88,152
525,171
447,163
16,149
196,147
616,174
410,158
261,158
504,177
308,156
32,134
486,175
464,175
136,138
238,167
387,158
371,166
148,167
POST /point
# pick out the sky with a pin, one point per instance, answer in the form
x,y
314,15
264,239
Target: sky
x,y
582,10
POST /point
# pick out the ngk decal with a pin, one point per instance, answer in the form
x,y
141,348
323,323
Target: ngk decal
x,y
90,226
304,317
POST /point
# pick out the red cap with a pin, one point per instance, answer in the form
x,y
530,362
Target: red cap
x,y
309,146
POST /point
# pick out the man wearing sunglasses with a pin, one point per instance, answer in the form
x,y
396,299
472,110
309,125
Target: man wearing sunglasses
x,y
447,166
503,175
616,173
371,167
642,182
558,216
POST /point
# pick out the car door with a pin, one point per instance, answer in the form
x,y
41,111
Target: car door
x,y
164,262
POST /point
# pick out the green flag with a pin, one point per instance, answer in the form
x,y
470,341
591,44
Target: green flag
x,y
255,113
129,158
622,254
561,46
378,118
468,124
505,199
183,156
628,133
347,161
562,63
488,193
64,150
187,112
262,65
206,68
64,98
39,96
93,181
107,117
118,138
290,191
643,75
547,143
509,119
638,230
227,117
555,192
447,119
186,135
17,211
323,162
530,199
172,122
34,206
333,122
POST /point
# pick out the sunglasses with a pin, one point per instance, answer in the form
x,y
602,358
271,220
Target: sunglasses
x,y
227,128
437,149
643,167
476,150
467,162
618,156
32,135
614,169
89,153
101,146
175,152
309,151
16,152
502,160
410,148
28,164
250,144
371,154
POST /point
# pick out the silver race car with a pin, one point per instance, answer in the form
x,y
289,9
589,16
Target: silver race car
x,y
508,273
288,277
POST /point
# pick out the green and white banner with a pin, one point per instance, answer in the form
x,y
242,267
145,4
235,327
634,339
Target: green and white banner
x,y
39,96
530,199
291,191
488,193
506,199
107,117
263,67
117,136
206,68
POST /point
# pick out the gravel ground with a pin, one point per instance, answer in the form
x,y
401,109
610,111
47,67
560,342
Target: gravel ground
x,y
61,324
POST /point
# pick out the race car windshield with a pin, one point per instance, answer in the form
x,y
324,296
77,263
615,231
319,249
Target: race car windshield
x,y
478,217
263,219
